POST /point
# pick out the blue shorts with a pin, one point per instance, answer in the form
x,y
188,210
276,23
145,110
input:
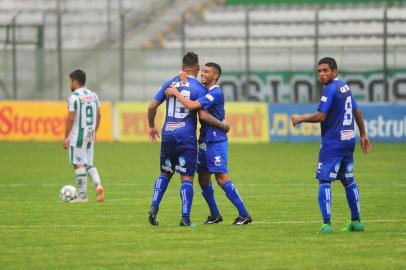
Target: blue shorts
x,y
212,157
178,157
339,167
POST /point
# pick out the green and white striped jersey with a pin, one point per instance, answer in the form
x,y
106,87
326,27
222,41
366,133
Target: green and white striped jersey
x,y
85,103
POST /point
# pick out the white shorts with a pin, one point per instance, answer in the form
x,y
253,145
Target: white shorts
x,y
81,156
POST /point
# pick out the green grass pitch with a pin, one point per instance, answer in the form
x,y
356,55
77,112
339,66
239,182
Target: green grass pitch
x,y
276,181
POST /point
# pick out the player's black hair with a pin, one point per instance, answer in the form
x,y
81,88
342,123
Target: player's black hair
x,y
215,66
190,59
79,76
331,62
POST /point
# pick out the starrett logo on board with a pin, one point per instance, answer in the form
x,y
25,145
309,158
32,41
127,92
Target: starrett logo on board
x,y
43,121
11,122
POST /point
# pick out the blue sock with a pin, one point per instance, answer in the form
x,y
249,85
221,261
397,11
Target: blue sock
x,y
352,194
325,201
159,189
208,194
232,194
186,195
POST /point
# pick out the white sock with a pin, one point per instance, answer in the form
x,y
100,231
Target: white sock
x,y
94,174
81,180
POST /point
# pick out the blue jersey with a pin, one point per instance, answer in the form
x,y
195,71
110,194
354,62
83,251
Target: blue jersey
x,y
213,101
180,123
337,131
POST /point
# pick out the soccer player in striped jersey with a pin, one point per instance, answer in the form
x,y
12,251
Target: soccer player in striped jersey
x,y
336,113
81,126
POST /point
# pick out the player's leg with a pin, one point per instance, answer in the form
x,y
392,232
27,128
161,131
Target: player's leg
x,y
232,194
78,160
327,170
217,162
208,194
186,166
207,186
161,183
352,194
325,200
94,174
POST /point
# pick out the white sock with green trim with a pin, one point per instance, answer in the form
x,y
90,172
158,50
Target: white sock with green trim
x,y
94,174
81,180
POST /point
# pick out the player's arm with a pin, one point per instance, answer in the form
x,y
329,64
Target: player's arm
x,y
68,128
213,121
364,140
308,118
189,104
152,130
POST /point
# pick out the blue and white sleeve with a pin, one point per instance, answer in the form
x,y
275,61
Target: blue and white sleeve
x,y
326,99
208,100
160,95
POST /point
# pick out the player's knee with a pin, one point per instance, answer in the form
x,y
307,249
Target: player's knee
x,y
76,166
221,178
204,180
167,175
346,183
321,182
186,178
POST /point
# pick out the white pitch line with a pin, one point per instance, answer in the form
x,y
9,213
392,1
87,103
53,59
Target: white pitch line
x,y
318,221
143,225
239,184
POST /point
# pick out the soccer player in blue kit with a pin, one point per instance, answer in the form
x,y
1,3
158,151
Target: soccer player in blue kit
x,y
213,146
336,113
179,144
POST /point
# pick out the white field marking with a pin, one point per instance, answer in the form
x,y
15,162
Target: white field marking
x,y
318,221
313,184
145,225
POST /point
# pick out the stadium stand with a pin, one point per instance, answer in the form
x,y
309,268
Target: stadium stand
x,y
281,36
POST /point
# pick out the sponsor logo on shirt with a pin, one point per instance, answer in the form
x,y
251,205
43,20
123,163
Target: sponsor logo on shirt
x,y
344,89
347,135
87,98
209,97
179,84
170,126
323,98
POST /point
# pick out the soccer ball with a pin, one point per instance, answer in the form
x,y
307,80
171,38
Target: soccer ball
x,y
68,193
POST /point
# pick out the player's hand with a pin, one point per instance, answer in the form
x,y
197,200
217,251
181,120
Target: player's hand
x,y
295,119
66,143
153,134
183,76
226,127
171,92
365,144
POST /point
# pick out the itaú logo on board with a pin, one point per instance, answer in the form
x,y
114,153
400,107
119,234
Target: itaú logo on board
x,y
13,123
281,126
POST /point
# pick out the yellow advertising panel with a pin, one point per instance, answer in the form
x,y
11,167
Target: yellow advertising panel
x,y
44,121
248,121
132,121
